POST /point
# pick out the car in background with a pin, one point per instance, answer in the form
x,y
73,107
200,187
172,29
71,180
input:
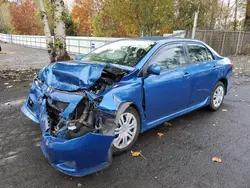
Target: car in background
x,y
97,105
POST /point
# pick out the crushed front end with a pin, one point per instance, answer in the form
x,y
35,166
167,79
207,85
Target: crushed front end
x,y
76,134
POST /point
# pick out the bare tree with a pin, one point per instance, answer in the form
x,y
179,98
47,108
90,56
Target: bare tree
x,y
235,14
60,31
47,32
56,46
247,18
227,15
214,10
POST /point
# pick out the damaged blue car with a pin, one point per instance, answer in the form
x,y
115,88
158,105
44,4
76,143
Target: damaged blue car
x,y
96,106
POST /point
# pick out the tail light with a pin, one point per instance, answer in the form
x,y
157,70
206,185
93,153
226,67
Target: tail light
x,y
232,66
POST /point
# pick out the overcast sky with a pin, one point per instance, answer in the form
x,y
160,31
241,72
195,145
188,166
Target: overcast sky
x,y
69,3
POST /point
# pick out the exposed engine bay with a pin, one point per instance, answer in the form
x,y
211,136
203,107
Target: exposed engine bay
x,y
86,117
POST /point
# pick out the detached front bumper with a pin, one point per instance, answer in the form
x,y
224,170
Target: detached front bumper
x,y
80,156
75,157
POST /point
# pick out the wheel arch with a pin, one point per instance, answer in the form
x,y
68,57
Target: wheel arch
x,y
225,83
124,106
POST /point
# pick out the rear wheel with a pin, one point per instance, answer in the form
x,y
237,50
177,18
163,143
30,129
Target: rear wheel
x,y
127,131
217,96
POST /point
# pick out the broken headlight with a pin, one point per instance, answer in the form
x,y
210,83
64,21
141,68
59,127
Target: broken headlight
x,y
38,82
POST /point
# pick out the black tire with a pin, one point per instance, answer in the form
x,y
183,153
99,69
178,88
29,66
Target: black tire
x,y
118,151
211,105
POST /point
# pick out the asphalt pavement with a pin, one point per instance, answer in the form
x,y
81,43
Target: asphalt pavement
x,y
182,157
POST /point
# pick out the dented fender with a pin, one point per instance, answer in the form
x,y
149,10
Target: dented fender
x,y
123,95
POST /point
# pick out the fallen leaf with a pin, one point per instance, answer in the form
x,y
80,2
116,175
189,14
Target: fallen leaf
x,y
224,110
9,86
216,159
167,124
160,134
135,153
22,101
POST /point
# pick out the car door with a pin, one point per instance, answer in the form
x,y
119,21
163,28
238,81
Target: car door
x,y
170,91
203,72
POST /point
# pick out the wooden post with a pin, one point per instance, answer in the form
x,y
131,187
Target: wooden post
x,y
223,41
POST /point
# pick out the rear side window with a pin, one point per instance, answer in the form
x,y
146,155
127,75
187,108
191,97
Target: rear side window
x,y
199,53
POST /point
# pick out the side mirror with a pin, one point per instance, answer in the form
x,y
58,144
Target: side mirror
x,y
154,69
79,57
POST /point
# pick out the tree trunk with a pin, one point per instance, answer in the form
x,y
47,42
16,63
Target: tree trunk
x,y
247,19
49,39
60,31
227,15
235,14
214,7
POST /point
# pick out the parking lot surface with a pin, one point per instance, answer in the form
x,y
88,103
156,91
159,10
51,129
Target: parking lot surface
x,y
182,157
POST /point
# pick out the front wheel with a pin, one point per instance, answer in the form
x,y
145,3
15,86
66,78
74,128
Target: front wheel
x,y
217,96
127,131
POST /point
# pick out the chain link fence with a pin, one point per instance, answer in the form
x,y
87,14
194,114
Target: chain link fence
x,y
224,42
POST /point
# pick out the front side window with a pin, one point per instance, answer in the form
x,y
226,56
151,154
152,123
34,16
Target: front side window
x,y
199,53
125,52
170,57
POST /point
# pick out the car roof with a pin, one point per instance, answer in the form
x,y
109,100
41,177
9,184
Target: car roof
x,y
164,39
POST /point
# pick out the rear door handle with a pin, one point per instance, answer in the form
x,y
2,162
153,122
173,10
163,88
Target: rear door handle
x,y
186,73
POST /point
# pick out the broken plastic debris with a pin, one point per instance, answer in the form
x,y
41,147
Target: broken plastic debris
x,y
6,83
160,134
224,110
9,86
7,103
167,124
216,159
79,184
137,154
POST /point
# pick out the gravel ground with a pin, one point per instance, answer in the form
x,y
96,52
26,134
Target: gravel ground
x,y
242,65
18,57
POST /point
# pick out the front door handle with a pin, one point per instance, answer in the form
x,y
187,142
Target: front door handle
x,y
186,73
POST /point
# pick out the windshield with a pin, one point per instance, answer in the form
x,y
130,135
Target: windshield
x,y
126,52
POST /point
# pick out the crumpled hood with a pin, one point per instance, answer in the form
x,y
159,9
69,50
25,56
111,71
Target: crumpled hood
x,y
71,76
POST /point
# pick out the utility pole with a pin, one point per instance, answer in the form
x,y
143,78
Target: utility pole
x,y
195,24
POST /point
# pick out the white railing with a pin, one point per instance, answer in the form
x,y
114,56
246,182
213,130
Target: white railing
x,y
75,45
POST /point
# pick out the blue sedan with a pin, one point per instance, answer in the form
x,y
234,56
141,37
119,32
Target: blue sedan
x,y
96,106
